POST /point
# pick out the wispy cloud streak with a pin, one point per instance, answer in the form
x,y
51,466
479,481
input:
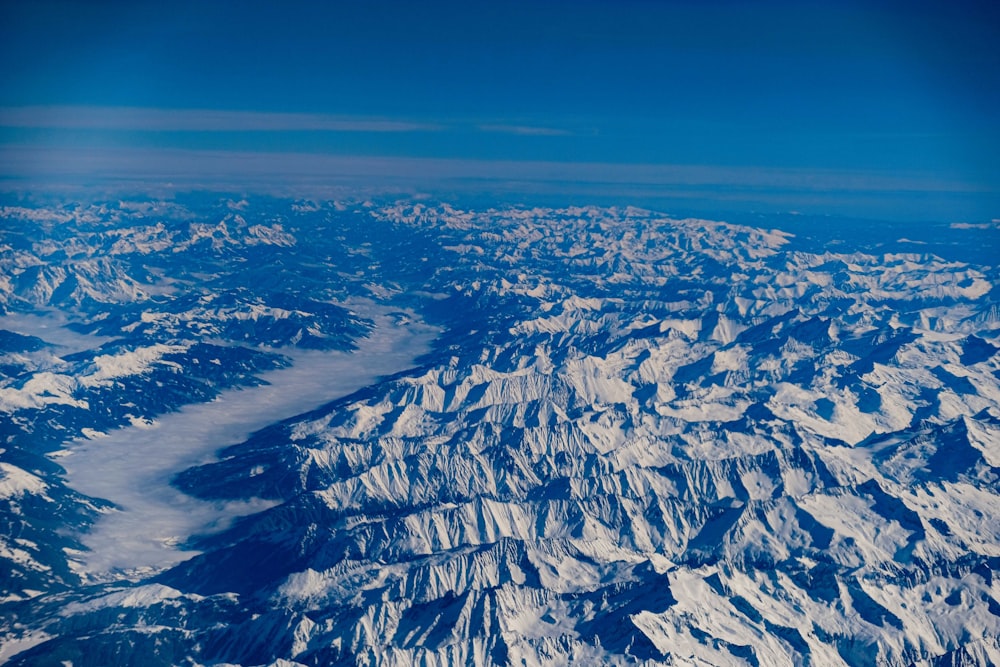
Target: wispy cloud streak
x,y
195,120
145,119
525,130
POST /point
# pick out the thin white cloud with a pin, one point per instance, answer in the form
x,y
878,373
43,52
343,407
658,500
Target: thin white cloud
x,y
195,120
995,224
525,130
215,120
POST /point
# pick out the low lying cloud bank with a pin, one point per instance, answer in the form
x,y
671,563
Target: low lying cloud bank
x,y
133,467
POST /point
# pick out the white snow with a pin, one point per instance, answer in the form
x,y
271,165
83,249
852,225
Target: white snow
x,y
15,482
40,390
133,362
139,596
12,645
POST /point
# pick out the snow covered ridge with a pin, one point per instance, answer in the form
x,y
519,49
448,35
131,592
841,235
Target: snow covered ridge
x,y
173,277
640,441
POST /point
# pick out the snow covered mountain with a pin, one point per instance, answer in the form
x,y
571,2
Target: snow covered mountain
x,y
636,440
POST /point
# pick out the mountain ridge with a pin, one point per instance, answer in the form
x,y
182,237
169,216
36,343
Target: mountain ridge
x,y
636,440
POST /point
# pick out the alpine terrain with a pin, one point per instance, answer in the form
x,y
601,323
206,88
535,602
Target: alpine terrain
x,y
387,433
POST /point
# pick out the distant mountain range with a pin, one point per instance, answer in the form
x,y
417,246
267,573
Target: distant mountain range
x,y
635,439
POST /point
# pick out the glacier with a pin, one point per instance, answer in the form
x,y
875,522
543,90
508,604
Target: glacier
x,y
624,438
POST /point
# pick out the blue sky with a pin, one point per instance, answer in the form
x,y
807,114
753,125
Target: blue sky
x,y
841,95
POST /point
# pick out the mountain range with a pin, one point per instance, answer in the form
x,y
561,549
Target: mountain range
x,y
634,439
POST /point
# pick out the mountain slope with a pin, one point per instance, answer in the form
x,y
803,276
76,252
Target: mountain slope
x,y
637,441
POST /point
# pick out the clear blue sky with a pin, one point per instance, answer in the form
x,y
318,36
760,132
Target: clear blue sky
x,y
884,89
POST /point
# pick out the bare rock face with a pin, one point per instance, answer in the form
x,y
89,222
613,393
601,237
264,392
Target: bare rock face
x,y
636,440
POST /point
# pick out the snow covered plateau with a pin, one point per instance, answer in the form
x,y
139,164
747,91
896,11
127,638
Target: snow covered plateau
x,y
298,433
